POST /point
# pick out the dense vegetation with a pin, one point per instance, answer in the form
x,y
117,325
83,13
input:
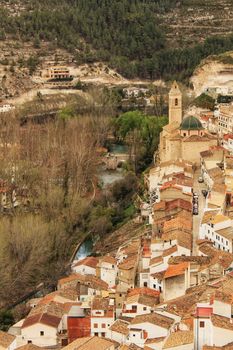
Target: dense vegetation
x,y
204,101
141,132
52,167
127,34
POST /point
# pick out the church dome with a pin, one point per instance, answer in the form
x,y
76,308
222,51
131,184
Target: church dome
x,y
191,123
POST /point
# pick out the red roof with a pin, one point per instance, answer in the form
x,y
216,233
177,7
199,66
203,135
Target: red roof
x,y
228,136
205,118
49,320
203,311
89,261
143,291
180,203
176,270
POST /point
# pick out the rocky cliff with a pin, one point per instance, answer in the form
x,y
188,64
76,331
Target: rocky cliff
x,y
214,72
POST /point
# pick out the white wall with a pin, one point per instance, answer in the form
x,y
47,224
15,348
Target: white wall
x,y
33,333
108,273
222,309
118,337
136,337
203,336
222,336
140,310
220,242
84,270
156,284
152,330
100,321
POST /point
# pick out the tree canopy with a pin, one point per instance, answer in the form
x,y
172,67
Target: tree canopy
x,y
128,35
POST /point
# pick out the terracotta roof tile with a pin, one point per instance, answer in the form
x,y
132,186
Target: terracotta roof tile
x,y
178,223
176,270
158,275
72,278
179,338
224,258
216,219
222,322
87,280
6,339
120,326
154,340
30,347
90,343
128,264
49,320
156,260
208,215
99,303
184,239
143,299
170,251
108,259
89,261
154,318
225,347
180,203
143,291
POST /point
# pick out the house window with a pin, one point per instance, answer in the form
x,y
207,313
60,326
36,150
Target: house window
x,y
103,325
176,101
95,325
96,334
103,335
144,308
202,324
145,284
41,333
226,242
29,341
134,307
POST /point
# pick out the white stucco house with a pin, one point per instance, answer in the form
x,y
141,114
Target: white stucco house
x,y
218,229
86,266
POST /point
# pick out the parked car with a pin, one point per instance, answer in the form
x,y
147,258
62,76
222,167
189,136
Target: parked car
x,y
200,179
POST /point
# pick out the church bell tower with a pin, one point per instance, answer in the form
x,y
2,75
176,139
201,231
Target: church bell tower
x,y
175,104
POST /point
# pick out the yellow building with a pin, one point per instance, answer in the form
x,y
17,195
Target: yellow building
x,y
183,138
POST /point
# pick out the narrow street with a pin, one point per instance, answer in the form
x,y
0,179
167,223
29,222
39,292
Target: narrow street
x,y
198,187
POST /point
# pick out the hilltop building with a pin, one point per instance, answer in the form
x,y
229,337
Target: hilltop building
x,y
183,138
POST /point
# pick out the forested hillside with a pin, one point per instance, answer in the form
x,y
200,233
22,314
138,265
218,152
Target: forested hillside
x,y
139,38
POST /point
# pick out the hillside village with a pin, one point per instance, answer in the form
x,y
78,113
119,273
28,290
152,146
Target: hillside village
x,y
170,287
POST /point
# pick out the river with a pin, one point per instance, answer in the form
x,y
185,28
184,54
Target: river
x,y
85,249
106,177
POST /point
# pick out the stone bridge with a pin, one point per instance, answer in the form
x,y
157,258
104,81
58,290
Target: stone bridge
x,y
114,160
